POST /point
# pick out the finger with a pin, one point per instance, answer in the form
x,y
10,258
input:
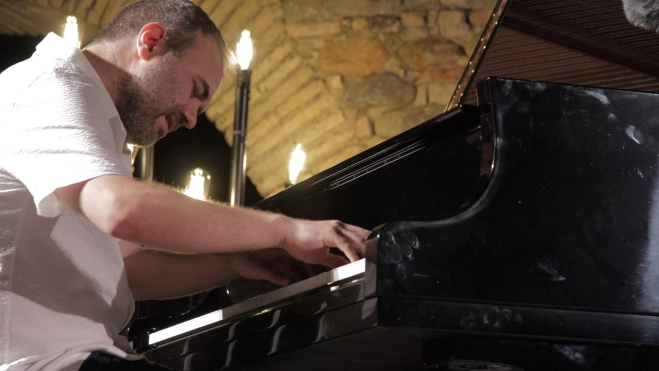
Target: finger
x,y
356,234
355,241
357,230
334,261
358,243
344,246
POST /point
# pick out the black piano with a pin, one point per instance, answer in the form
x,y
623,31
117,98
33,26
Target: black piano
x,y
515,231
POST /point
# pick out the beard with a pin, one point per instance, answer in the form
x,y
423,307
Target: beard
x,y
144,97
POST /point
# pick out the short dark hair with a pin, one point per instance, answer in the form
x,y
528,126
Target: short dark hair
x,y
181,18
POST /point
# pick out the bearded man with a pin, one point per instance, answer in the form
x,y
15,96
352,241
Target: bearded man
x,y
73,220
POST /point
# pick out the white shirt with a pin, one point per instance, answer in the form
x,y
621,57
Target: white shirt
x,y
63,286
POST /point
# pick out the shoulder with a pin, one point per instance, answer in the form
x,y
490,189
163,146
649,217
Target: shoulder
x,y
40,72
58,86
62,77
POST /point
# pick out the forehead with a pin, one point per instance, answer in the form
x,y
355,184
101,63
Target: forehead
x,y
204,60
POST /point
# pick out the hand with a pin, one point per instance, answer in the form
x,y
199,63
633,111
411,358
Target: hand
x,y
274,265
309,241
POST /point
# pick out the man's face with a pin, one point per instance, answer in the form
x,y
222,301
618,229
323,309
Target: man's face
x,y
169,92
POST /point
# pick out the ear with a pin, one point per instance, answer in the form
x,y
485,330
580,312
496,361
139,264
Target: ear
x,y
151,41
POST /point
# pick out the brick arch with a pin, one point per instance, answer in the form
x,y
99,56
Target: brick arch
x,y
337,76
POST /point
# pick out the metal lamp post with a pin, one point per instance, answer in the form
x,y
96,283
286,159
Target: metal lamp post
x,y
238,160
146,163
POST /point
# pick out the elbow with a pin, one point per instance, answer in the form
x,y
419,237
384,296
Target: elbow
x,y
114,204
121,219
120,228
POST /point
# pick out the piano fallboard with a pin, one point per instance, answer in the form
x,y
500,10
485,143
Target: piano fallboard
x,y
329,281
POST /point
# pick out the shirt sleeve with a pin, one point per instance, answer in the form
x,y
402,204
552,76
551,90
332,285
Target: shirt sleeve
x,y
59,134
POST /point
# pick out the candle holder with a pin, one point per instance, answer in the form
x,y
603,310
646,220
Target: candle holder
x,y
238,156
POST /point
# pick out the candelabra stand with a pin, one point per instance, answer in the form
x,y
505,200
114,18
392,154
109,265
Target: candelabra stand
x,y
238,158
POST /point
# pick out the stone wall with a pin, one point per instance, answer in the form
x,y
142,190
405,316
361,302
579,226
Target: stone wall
x,y
340,76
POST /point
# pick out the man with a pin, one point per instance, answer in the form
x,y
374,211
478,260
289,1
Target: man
x,y
72,220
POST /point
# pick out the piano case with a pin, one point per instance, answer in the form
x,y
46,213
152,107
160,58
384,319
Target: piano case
x,y
515,231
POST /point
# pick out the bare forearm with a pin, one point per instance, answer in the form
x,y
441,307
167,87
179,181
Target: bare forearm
x,y
156,216
161,275
153,215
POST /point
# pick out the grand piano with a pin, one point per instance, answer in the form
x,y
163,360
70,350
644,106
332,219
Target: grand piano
x,y
518,230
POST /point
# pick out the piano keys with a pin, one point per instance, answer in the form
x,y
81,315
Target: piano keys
x,y
265,302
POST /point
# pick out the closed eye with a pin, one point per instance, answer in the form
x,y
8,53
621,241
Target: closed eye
x,y
195,90
203,95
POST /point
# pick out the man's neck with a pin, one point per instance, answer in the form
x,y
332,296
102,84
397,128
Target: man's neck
x,y
106,68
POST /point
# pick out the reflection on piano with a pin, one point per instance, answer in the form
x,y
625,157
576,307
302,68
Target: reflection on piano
x,y
519,230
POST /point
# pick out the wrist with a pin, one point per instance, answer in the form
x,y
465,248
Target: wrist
x,y
285,227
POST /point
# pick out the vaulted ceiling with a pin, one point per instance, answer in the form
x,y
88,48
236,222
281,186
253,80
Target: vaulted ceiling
x,y
39,17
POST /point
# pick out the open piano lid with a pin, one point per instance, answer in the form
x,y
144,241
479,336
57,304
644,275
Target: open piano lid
x,y
577,42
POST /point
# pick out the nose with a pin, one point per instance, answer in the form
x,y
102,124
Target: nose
x,y
189,111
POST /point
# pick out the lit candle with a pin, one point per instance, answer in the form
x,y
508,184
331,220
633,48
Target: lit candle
x,y
296,164
71,31
199,184
244,50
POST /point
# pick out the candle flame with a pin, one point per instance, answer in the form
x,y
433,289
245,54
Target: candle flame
x,y
244,50
199,184
296,164
71,31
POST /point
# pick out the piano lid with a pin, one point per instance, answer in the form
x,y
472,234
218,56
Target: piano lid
x,y
578,42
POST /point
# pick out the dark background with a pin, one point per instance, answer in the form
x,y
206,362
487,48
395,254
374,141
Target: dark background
x,y
176,154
